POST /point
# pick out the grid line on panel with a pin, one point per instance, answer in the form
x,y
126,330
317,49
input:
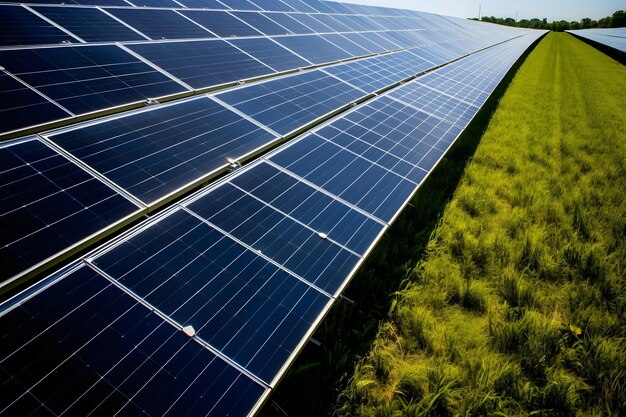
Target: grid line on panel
x,y
166,318
257,252
323,191
53,23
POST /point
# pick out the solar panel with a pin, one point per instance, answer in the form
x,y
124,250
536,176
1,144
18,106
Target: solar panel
x,y
18,26
273,5
240,5
443,106
90,24
49,204
352,178
613,37
332,22
289,23
261,23
246,308
21,107
270,53
311,22
160,23
154,3
313,48
156,152
202,64
203,4
88,78
301,250
364,42
346,44
84,347
300,6
287,104
221,23
320,212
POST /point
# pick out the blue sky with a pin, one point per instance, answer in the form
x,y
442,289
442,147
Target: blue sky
x,y
551,9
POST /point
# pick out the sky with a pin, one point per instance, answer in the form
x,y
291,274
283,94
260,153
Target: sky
x,y
527,9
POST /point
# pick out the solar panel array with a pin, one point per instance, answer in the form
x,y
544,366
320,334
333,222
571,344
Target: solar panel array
x,y
614,38
201,308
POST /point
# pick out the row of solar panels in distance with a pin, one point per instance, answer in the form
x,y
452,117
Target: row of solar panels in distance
x,y
30,25
251,264
613,37
40,85
302,6
156,153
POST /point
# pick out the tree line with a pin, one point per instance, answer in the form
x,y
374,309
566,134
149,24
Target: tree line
x,y
617,20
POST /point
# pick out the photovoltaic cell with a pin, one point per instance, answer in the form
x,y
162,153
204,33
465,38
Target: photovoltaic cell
x,y
153,153
270,53
155,3
261,23
352,48
272,5
202,64
221,23
438,104
311,22
346,175
203,4
300,6
313,208
240,5
21,107
84,347
48,204
289,23
18,26
364,42
397,137
332,22
241,305
90,24
319,261
160,23
313,48
286,104
88,78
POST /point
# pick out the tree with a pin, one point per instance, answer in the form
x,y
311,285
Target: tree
x,y
574,25
585,23
619,19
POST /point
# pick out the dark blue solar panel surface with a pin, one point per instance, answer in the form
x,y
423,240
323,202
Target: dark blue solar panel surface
x,y
153,153
19,26
270,53
262,23
302,202
202,64
300,6
346,175
90,24
48,204
156,3
240,5
441,105
88,78
203,4
352,48
243,306
22,107
83,347
332,22
301,250
364,42
286,21
311,22
221,23
286,104
313,48
102,2
160,24
274,5
399,138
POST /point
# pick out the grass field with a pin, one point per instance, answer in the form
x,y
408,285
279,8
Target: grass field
x,y
519,305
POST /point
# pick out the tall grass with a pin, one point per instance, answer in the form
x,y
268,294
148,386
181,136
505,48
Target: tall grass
x,y
519,307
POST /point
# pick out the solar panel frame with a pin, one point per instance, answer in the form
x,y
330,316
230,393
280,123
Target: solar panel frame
x,y
135,168
89,78
34,28
158,24
67,184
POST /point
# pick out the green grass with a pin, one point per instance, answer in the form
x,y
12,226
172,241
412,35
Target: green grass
x,y
519,305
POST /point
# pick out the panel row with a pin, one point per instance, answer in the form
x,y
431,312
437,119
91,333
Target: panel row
x,y
614,37
246,268
157,153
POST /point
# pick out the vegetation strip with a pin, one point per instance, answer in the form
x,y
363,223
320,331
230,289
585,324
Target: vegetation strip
x,y
519,304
